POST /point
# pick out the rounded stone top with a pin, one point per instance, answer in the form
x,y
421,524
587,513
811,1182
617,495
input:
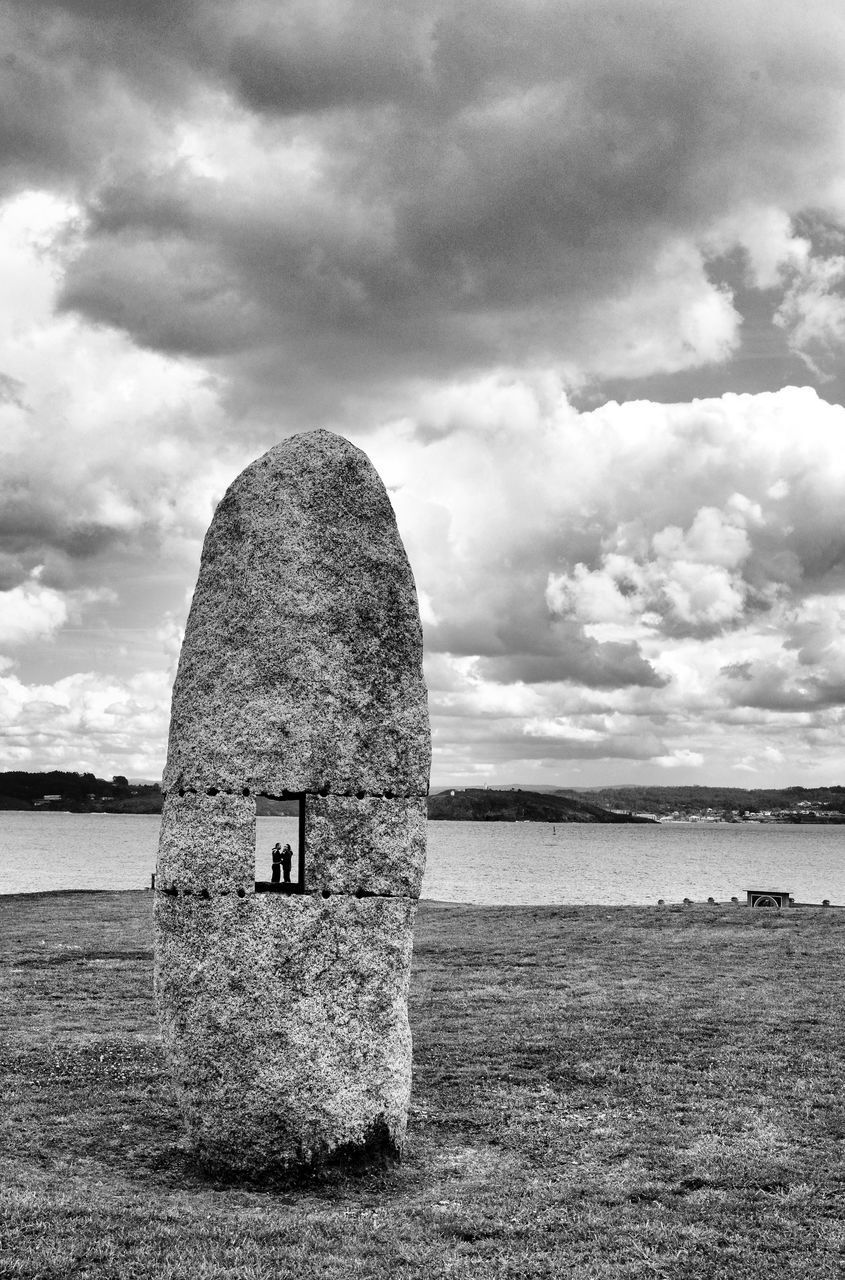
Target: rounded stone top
x,y
301,667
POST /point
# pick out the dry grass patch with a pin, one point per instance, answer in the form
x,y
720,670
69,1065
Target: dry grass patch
x,y
599,1092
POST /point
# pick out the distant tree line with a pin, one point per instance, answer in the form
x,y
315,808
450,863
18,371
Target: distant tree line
x,y
77,792
85,793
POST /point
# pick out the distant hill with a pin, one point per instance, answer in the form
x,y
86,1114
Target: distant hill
x,y
736,800
478,804
267,808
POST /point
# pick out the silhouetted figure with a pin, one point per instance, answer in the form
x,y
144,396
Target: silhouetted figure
x,y
287,859
277,863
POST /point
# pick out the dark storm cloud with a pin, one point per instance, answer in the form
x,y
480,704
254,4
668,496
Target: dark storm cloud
x,y
484,179
770,687
295,58
79,89
43,529
609,665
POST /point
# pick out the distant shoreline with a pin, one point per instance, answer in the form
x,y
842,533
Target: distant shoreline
x,y
797,820
449,903
67,792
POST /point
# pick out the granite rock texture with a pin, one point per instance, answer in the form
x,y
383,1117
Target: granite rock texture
x,y
207,843
285,1023
284,1014
365,846
301,668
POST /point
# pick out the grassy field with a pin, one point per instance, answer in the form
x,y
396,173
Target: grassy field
x,y
599,1092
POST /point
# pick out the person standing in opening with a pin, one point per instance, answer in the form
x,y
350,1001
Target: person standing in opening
x,y
287,859
277,862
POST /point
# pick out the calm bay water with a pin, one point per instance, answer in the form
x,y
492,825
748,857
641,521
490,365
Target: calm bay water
x,y
494,863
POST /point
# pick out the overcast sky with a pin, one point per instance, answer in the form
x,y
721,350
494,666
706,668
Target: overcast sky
x,y
572,272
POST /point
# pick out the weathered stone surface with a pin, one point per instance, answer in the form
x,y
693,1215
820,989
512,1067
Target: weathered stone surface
x,y
207,843
301,667
285,1021
284,1015
365,846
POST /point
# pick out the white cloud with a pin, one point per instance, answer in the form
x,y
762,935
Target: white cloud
x,y
680,759
640,583
30,611
703,597
420,224
708,535
595,597
105,447
688,578
714,538
812,313
562,728
767,235
673,319
85,721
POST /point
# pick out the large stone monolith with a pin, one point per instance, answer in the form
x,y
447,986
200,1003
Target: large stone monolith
x,y
284,1013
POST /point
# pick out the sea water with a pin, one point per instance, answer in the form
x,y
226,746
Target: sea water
x,y
484,862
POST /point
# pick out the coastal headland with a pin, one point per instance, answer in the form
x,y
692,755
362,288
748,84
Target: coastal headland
x,y
598,1092
476,804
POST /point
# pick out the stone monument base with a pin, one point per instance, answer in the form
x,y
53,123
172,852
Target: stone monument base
x,y
285,1023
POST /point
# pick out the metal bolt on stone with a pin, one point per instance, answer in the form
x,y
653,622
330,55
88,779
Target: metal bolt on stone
x,y
283,1005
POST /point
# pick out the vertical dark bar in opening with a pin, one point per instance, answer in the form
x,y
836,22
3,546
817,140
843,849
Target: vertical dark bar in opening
x,y
301,876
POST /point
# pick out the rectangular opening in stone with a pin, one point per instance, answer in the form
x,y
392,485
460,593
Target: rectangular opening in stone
x,y
280,843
